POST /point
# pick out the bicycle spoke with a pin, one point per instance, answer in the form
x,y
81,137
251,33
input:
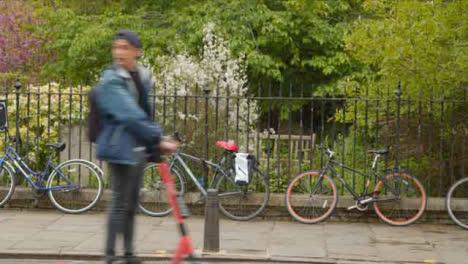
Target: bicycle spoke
x,y
302,189
308,208
311,198
75,186
153,197
242,202
404,203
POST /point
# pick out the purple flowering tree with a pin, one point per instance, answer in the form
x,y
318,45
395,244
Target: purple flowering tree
x,y
20,50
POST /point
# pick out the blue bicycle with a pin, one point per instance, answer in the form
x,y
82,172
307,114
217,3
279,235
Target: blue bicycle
x,y
73,187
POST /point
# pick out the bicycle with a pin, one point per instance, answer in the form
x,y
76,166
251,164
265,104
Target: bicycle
x,y
236,201
399,199
65,183
455,201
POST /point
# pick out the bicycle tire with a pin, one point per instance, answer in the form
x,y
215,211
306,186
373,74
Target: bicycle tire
x,y
460,187
307,182
79,196
7,182
157,205
416,193
247,199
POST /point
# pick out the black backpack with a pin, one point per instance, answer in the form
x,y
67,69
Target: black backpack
x,y
94,122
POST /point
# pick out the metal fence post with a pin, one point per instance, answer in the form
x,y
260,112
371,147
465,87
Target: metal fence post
x,y
211,236
207,94
17,134
397,140
206,145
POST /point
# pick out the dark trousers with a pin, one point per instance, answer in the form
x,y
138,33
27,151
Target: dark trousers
x,y
125,182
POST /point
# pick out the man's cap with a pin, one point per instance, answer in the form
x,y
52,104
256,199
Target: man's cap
x,y
130,36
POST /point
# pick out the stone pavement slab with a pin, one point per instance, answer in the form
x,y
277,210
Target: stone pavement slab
x,y
50,233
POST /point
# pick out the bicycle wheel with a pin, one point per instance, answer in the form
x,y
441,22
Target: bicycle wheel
x,y
7,183
400,199
311,198
75,186
153,197
243,201
455,202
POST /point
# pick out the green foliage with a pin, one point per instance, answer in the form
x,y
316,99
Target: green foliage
x,y
81,46
350,48
423,44
285,41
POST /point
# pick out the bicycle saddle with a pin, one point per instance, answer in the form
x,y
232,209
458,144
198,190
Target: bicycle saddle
x,y
378,151
59,146
227,146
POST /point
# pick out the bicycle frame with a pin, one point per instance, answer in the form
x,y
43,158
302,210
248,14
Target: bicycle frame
x,y
20,165
330,167
179,157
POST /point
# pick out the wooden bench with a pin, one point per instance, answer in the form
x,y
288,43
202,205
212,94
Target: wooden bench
x,y
300,147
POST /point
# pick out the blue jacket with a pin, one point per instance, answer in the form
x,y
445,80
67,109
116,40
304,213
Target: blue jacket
x,y
127,128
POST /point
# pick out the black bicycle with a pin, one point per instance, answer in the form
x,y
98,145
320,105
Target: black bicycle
x,y
399,198
456,202
238,201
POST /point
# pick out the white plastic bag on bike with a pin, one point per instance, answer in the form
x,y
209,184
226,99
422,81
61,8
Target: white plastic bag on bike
x,y
241,166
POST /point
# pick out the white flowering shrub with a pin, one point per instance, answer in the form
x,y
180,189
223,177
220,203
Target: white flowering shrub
x,y
181,81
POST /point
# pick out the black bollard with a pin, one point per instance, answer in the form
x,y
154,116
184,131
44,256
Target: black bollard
x,y
211,237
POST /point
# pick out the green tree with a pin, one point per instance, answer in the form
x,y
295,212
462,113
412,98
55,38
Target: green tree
x,y
283,40
423,45
80,44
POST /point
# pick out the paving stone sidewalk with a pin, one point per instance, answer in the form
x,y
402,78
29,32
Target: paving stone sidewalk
x,y
46,233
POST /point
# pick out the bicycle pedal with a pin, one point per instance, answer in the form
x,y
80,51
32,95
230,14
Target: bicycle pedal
x,y
352,207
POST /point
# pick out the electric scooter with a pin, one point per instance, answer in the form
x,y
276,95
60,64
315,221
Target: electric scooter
x,y
185,244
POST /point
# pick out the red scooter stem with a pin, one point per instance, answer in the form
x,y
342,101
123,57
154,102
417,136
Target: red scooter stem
x,y
185,244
